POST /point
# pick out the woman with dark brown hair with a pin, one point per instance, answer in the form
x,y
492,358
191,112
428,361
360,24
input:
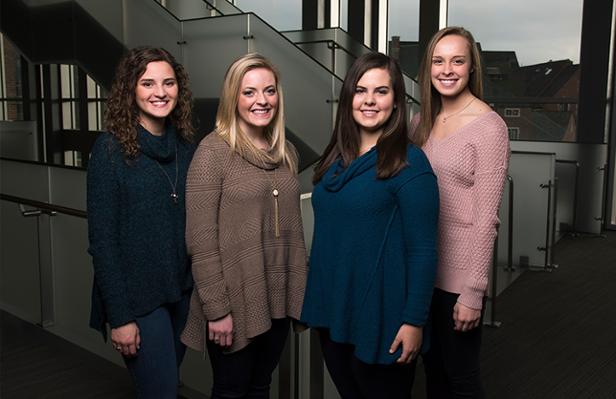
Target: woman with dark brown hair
x,y
136,218
373,255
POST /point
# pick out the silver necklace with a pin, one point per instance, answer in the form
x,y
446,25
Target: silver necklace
x,y
174,193
444,118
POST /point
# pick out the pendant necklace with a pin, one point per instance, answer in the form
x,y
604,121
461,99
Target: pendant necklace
x,y
444,118
275,194
174,194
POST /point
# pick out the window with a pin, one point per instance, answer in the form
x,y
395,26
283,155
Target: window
x,y
531,61
514,133
512,112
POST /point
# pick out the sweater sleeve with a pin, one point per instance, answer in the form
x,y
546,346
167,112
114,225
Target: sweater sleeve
x,y
492,159
419,203
103,204
203,197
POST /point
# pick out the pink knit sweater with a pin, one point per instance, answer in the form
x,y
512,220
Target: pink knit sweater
x,y
471,166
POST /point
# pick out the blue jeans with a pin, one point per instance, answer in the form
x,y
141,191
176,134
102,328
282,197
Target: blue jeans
x,y
155,369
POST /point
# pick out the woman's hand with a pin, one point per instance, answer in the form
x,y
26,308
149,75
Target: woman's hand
x,y
221,331
465,318
126,339
410,338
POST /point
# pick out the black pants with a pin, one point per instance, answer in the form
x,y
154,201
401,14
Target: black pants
x,y
452,362
247,373
355,379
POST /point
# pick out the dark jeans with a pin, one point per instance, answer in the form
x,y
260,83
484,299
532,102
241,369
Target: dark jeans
x,y
355,379
452,362
155,369
247,373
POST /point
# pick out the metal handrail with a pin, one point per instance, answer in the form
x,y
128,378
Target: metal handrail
x,y
547,248
45,207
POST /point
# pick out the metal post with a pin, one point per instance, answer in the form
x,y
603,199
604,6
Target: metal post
x,y
494,288
509,266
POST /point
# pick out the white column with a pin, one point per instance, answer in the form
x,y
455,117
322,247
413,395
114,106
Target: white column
x,y
443,14
383,26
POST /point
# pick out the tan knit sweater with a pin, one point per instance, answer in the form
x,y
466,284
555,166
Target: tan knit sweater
x,y
471,167
238,264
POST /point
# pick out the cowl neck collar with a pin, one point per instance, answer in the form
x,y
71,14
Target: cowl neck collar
x,y
161,148
337,176
261,162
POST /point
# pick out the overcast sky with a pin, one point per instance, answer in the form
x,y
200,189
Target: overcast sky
x,y
537,30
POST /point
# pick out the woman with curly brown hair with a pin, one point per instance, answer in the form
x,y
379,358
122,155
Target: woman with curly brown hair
x,y
136,218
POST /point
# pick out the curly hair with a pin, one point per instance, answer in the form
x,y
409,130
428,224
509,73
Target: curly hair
x,y
122,113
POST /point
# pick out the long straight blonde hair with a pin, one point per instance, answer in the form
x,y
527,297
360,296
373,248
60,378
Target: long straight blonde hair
x,y
227,119
430,97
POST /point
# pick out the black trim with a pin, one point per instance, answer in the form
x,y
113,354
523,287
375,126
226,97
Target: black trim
x,y
54,165
44,206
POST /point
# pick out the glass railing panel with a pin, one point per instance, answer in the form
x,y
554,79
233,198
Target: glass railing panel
x,y
224,7
329,54
532,174
189,9
108,13
20,269
151,24
211,46
310,88
567,176
19,265
18,140
592,159
282,15
344,51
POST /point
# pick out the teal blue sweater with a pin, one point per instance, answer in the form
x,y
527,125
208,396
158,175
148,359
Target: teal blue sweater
x,y
136,230
373,258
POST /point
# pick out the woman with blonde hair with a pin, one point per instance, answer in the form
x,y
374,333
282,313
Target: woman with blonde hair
x,y
136,218
468,148
244,234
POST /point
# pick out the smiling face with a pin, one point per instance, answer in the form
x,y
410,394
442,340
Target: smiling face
x,y
451,66
156,95
373,101
257,101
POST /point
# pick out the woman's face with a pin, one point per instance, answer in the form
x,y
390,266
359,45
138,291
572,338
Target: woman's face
x,y
257,101
156,93
451,65
373,101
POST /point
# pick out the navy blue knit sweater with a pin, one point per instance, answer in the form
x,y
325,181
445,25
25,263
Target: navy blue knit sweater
x,y
373,258
136,230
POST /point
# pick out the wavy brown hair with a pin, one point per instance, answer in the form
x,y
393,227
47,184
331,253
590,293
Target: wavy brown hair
x,y
430,97
122,114
391,146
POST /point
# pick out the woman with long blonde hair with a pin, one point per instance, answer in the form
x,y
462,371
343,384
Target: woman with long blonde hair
x,y
244,234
